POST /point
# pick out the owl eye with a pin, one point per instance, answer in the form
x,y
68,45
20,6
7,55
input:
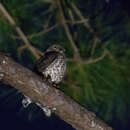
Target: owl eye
x,y
54,47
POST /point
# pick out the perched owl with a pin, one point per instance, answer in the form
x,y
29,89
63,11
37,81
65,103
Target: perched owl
x,y
52,64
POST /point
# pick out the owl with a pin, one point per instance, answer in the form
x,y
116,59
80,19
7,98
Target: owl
x,y
52,65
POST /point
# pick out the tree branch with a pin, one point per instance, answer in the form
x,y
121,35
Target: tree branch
x,y
32,86
86,22
63,20
91,61
18,29
46,30
96,39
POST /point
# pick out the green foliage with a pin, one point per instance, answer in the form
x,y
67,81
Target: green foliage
x,y
103,87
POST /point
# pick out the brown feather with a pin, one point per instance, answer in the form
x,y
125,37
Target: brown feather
x,y
46,60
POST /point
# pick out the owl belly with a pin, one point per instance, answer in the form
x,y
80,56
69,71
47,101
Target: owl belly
x,y
56,70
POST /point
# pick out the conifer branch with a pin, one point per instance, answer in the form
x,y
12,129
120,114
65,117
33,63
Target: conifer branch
x,y
91,61
18,30
97,40
43,31
72,42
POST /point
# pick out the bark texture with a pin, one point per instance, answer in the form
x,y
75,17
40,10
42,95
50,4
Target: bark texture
x,y
33,86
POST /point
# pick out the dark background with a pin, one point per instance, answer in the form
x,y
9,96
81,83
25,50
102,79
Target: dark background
x,y
102,87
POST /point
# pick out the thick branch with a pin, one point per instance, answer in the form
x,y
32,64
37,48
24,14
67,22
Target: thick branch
x,y
32,85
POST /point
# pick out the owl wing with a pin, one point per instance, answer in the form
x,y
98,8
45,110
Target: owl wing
x,y
46,60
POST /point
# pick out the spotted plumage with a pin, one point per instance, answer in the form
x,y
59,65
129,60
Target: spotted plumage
x,y
52,64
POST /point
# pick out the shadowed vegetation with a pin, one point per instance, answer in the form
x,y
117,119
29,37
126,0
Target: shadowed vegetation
x,y
96,36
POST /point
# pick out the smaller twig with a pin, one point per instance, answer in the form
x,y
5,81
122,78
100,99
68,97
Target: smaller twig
x,y
22,48
47,22
87,25
15,37
25,46
18,29
96,40
50,29
43,31
72,23
37,34
77,21
80,21
110,55
112,58
71,16
91,61
63,20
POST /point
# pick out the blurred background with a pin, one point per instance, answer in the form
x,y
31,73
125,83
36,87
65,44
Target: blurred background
x,y
96,36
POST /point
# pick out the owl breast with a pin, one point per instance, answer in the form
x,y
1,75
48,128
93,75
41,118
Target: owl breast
x,y
56,70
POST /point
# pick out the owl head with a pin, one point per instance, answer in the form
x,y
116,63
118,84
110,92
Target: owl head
x,y
56,48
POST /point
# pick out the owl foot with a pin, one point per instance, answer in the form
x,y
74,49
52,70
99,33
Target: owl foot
x,y
49,81
43,78
46,79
